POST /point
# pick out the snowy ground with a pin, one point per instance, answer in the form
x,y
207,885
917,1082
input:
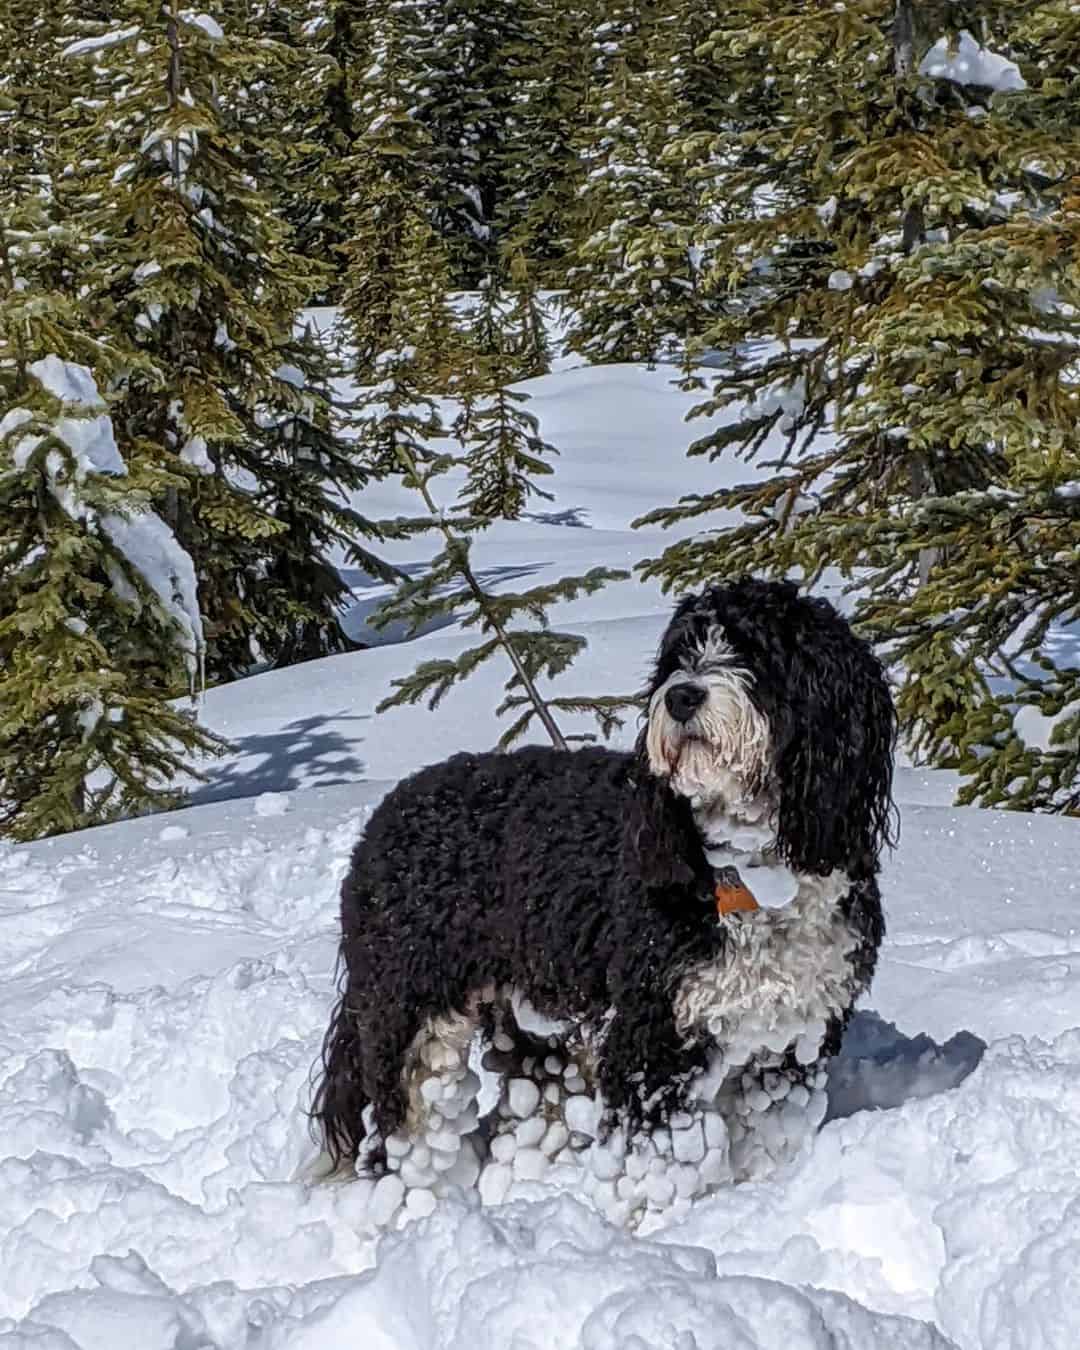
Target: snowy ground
x,y
168,980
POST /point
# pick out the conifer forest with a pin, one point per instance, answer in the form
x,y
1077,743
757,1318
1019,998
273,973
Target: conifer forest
x,y
259,260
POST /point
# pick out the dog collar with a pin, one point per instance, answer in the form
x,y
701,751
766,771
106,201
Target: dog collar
x,y
732,896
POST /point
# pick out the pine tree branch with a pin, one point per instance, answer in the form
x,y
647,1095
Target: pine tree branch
x,y
410,466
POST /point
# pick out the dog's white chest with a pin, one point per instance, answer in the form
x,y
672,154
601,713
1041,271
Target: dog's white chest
x,y
782,975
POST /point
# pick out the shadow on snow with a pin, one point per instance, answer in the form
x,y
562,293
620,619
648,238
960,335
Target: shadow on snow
x,y
371,593
310,752
879,1067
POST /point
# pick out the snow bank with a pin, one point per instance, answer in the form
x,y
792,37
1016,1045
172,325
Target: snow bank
x,y
551,1273
167,987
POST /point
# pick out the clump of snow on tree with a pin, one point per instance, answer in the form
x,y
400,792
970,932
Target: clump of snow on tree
x,y
85,46
141,536
205,22
1036,729
970,63
90,439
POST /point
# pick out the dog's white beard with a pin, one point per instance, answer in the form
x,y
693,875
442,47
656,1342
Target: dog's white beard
x,y
722,753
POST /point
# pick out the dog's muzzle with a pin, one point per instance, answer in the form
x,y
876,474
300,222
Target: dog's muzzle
x,y
706,736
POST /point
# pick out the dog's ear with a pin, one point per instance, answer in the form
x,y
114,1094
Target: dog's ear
x,y
661,845
834,737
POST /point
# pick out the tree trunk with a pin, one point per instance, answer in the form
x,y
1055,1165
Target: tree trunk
x,y
904,38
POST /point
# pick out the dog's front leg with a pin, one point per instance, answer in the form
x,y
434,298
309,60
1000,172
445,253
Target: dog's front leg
x,y
642,1148
546,1085
771,1106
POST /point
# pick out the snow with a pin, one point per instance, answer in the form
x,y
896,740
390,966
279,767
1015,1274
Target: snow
x,y
165,997
141,537
151,549
11,421
194,452
90,439
205,22
168,982
1036,729
524,1097
788,397
68,381
970,63
551,1274
92,444
95,44
271,804
291,375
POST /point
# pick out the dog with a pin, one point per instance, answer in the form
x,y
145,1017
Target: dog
x,y
660,949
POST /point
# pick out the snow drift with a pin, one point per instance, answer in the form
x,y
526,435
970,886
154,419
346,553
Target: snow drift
x,y
167,986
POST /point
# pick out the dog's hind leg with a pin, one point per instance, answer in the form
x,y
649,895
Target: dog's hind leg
x,y
437,1144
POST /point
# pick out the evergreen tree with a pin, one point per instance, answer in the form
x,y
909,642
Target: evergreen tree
x,y
1001,679
450,586
504,450
900,291
385,177
524,339
543,169
634,285
417,356
535,652
28,100
303,102
99,621
466,69
99,618
425,358
193,269
702,96
398,414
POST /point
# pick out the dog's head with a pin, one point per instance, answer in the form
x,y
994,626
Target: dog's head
x,y
765,703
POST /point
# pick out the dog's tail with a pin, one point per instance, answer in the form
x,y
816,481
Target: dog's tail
x,y
319,1169
339,1103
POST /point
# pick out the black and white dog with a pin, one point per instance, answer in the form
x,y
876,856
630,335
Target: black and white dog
x,y
660,949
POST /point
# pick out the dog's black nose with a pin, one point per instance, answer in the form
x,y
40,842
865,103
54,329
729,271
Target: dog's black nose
x,y
683,700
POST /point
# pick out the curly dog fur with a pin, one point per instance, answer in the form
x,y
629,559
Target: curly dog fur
x,y
583,880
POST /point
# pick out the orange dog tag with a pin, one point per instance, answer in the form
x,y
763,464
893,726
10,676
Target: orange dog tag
x,y
732,897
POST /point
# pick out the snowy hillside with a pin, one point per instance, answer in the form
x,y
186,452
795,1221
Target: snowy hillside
x,y
167,982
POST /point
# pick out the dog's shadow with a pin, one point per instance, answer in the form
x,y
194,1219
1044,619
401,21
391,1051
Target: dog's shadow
x,y
879,1067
